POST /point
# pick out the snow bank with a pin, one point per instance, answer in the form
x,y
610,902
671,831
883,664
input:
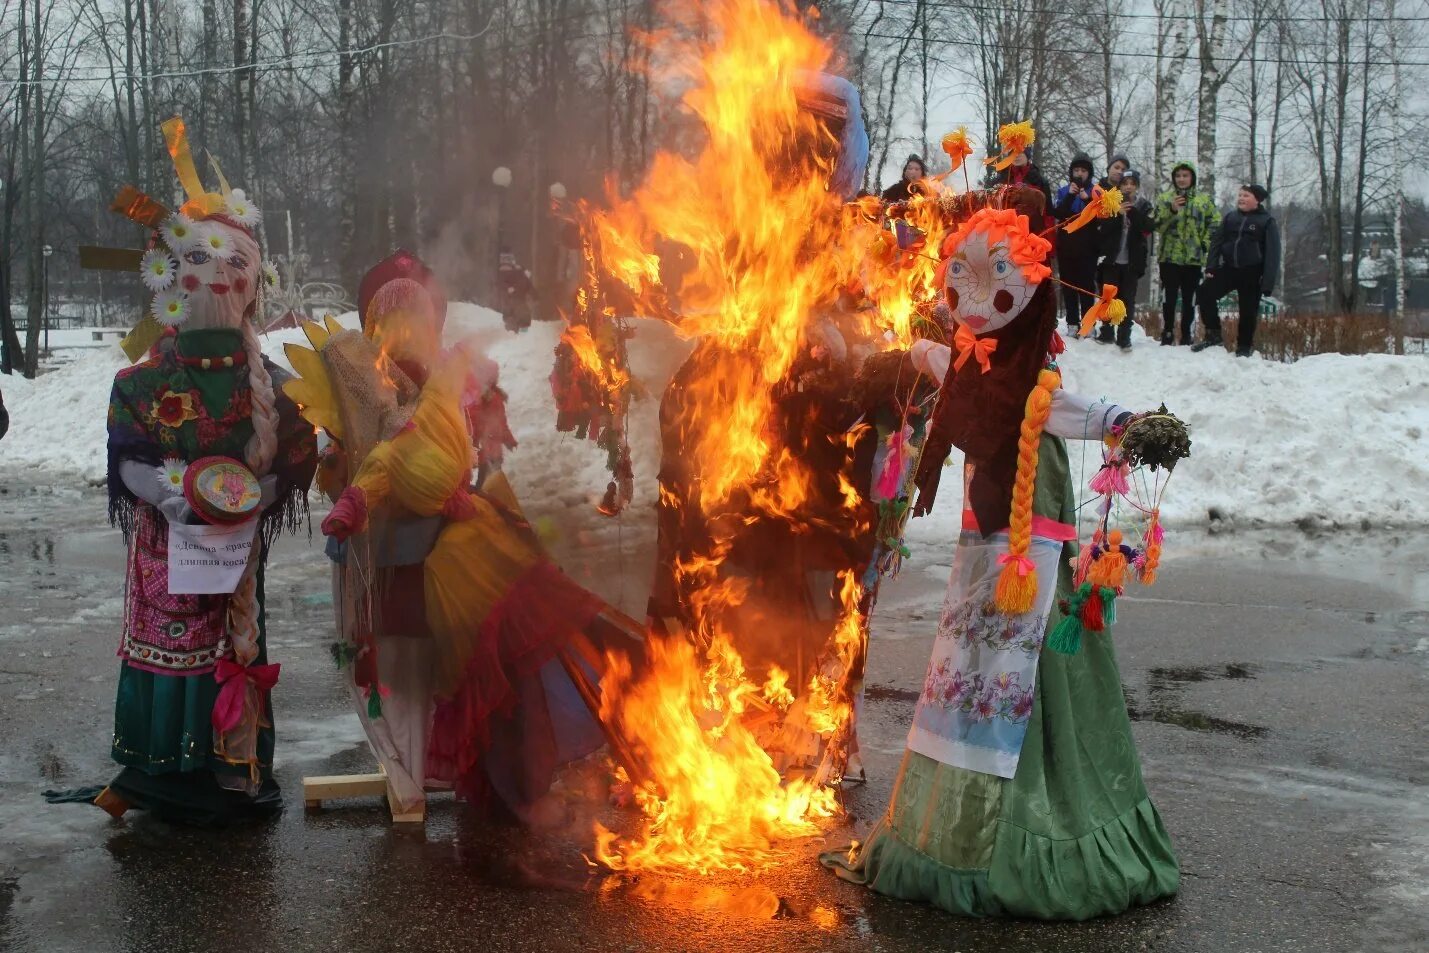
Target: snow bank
x,y
1328,439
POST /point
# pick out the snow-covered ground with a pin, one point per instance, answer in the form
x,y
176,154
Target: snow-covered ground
x,y
1330,439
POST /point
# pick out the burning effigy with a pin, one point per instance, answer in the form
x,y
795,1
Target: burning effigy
x,y
743,716
782,501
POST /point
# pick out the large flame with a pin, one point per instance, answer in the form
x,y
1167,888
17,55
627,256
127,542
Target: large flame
x,y
771,249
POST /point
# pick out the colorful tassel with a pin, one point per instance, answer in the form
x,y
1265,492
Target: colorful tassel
x,y
1016,584
1108,307
1092,617
890,481
374,703
1113,477
1109,568
1154,535
1108,607
1066,638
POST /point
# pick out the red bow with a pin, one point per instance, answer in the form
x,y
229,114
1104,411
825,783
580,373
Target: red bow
x,y
969,345
228,708
1024,565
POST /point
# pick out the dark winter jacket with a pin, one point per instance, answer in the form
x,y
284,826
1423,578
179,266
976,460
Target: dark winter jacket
x,y
1065,206
1028,175
4,417
899,191
1247,240
1137,217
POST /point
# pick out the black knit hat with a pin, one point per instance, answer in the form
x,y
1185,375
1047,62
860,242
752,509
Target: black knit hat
x,y
1258,191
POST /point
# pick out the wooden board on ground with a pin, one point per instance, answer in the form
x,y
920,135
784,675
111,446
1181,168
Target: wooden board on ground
x,y
316,790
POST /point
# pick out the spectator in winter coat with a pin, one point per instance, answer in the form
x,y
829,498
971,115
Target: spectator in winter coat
x,y
1244,257
1115,169
1185,221
1024,171
905,188
1076,251
1124,252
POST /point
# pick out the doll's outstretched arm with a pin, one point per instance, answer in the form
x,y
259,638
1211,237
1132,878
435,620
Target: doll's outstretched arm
x,y
1075,417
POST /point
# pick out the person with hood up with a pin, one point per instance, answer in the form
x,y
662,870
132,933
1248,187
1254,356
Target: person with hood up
x,y
1123,248
1076,251
1244,257
1115,169
905,188
1185,221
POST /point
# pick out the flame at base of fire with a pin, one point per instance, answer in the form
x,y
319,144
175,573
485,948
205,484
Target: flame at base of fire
x,y
713,799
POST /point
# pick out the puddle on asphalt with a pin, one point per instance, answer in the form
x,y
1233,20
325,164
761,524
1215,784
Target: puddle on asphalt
x,y
887,693
1163,678
1163,688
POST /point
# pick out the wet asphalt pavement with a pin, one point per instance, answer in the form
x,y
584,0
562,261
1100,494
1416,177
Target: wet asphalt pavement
x,y
1278,683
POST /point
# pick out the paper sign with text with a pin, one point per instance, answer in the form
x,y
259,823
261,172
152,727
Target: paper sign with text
x,y
209,559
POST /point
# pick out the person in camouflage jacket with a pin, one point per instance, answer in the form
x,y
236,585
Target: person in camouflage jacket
x,y
1186,219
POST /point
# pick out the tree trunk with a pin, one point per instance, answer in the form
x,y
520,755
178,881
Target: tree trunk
x,y
241,119
1357,228
1336,204
1212,40
132,39
208,83
1396,132
1280,54
1253,107
1179,50
347,146
35,191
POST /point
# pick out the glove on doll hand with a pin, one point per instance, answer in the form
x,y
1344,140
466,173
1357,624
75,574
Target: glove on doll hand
x,y
176,509
348,516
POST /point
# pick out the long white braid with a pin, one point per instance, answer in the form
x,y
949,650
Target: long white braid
x,y
259,454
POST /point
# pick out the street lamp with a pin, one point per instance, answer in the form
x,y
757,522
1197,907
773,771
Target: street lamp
x,y
47,251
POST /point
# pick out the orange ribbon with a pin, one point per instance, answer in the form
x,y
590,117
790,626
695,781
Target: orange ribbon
x,y
970,345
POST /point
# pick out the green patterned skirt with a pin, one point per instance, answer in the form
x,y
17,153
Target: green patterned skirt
x,y
163,735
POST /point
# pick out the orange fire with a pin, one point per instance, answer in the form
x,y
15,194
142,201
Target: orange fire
x,y
583,346
721,805
771,248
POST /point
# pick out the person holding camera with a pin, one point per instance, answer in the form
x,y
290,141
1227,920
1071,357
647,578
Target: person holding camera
x,y
1076,251
1245,258
1123,248
1186,219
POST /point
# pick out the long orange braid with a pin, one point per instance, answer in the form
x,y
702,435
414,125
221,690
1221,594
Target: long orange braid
x,y
1017,583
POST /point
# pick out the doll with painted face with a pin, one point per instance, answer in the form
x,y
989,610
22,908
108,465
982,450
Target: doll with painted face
x,y
200,435
1020,792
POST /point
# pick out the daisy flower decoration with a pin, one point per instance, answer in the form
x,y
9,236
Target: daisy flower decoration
x,y
241,210
158,269
171,308
214,241
171,475
270,274
179,233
